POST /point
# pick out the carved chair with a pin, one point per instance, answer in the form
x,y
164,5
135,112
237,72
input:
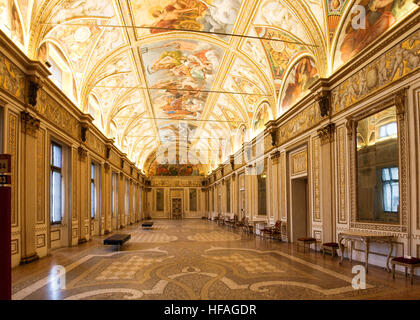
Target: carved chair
x,y
273,232
240,223
248,226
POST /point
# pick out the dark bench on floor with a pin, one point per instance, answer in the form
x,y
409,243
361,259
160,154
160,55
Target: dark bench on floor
x,y
147,224
117,239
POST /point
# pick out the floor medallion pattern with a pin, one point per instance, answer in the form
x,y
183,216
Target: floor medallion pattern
x,y
197,260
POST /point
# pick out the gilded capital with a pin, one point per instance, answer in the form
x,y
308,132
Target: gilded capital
x,y
326,134
30,125
82,153
400,102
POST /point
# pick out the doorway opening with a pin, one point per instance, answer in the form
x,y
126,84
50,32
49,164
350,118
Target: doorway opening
x,y
299,217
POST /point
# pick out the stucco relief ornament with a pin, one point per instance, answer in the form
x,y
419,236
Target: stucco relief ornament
x,y
84,128
323,101
34,85
273,133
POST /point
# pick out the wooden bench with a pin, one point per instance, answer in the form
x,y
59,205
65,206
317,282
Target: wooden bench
x,y
302,242
147,225
331,247
117,239
411,263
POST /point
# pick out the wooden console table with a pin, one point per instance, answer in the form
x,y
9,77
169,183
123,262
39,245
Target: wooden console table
x,y
366,238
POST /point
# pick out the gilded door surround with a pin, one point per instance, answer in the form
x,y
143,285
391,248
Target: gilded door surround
x,y
398,99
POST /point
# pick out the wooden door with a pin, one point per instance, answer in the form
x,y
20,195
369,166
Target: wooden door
x,y
177,208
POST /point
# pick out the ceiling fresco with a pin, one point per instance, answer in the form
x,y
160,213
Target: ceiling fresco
x,y
158,16
207,74
184,68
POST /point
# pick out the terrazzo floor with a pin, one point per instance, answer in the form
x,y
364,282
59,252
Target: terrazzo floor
x,y
197,259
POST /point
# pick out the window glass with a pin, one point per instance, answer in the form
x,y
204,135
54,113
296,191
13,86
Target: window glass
x,y
56,184
56,197
92,192
390,189
388,130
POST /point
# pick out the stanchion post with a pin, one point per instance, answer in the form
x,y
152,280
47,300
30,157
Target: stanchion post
x,y
5,227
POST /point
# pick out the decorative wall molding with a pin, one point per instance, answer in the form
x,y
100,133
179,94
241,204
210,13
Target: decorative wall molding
x,y
316,179
341,176
299,163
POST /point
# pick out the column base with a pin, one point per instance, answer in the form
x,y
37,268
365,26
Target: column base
x,y
31,258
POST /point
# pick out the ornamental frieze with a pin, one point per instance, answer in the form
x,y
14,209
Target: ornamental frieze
x,y
391,66
305,120
176,183
12,80
51,110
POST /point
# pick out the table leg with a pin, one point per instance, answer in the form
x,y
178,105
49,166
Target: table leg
x,y
340,244
391,247
351,251
367,246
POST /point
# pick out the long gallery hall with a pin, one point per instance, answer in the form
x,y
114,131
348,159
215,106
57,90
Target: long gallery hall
x,y
209,149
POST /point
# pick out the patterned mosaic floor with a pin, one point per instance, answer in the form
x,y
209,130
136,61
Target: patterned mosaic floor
x,y
196,259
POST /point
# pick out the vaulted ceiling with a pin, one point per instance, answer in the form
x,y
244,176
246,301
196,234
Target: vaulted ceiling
x,y
152,72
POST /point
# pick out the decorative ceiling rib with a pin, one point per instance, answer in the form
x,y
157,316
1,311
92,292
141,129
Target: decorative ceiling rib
x,y
218,70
